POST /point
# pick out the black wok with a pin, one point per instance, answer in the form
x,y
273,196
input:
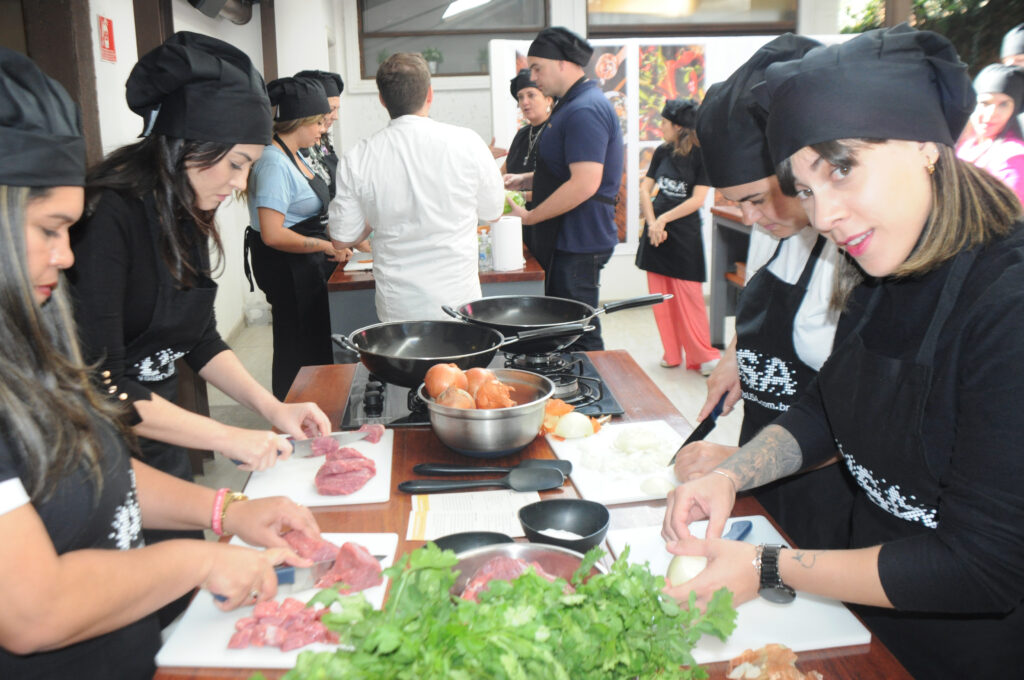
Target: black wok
x,y
512,314
401,352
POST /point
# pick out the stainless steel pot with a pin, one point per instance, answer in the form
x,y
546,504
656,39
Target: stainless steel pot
x,y
555,560
494,432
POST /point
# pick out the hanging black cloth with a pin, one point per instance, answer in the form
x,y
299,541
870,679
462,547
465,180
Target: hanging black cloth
x,y
296,288
813,508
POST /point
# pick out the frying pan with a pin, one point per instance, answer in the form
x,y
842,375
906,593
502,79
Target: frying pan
x,y
512,314
401,352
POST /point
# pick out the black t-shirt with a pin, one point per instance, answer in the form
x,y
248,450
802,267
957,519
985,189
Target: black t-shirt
x,y
681,255
522,155
77,519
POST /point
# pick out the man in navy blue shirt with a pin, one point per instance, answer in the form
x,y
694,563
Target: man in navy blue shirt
x,y
571,230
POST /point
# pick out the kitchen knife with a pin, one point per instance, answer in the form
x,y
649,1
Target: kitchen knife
x,y
703,429
447,469
303,448
295,579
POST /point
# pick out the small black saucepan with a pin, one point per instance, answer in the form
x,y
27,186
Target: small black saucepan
x,y
512,314
402,352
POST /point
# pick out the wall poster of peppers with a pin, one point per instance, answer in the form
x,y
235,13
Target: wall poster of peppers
x,y
667,72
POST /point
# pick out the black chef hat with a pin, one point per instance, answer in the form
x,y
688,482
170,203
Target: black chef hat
x,y
682,112
40,128
1008,80
521,80
1013,42
895,83
297,98
332,82
562,44
730,124
200,88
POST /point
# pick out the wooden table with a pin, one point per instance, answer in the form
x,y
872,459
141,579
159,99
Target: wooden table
x,y
329,386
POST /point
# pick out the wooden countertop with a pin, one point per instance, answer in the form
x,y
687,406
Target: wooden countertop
x,y
329,385
342,280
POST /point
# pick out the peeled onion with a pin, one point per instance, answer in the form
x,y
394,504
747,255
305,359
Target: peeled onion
x,y
440,377
494,394
683,568
574,425
456,397
477,377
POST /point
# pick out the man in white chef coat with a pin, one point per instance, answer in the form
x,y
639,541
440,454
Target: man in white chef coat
x,y
422,187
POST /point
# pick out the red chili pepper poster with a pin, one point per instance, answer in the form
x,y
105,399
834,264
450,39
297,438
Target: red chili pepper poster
x,y
667,72
108,52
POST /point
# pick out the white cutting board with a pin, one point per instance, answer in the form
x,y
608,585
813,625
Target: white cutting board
x,y
620,487
809,622
201,636
294,477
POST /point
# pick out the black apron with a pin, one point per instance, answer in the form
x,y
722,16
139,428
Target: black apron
x,y
681,254
179,316
812,508
542,238
296,288
859,386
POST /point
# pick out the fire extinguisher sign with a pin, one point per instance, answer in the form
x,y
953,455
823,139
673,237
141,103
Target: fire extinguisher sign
x,y
107,50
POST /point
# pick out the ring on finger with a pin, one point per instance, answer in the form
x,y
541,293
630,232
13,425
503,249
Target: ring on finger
x,y
254,595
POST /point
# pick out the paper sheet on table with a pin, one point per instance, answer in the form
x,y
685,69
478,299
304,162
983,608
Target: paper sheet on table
x,y
436,515
359,265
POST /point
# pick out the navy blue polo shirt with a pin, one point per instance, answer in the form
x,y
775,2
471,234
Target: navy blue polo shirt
x,y
583,128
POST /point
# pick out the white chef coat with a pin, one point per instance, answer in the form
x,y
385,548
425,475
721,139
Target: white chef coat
x,y
423,186
815,325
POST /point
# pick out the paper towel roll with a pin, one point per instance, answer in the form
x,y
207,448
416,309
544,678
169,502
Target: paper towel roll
x,y
507,243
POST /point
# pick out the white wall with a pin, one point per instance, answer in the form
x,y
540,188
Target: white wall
x,y
118,124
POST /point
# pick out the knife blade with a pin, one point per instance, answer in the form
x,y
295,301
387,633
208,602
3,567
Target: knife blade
x,y
703,429
294,579
303,448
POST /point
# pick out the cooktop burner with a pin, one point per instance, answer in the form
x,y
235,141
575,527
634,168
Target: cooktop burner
x,y
371,400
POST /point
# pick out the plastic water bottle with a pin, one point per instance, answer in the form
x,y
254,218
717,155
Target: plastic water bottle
x,y
486,258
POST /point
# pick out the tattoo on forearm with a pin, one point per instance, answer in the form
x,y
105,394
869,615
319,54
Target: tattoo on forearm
x,y
311,243
772,454
805,559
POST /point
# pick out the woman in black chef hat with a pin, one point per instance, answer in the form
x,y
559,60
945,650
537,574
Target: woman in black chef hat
x,y
536,108
292,256
921,393
78,585
671,248
785,319
322,156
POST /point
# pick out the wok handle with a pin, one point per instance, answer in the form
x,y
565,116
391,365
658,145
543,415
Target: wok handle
x,y
454,313
555,331
446,469
642,301
433,485
344,342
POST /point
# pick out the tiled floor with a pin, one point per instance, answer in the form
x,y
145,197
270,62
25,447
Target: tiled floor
x,y
633,330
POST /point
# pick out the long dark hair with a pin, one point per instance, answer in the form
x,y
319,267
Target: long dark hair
x,y
158,166
50,411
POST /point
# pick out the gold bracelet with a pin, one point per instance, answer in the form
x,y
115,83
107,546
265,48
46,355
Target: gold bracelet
x,y
735,489
230,498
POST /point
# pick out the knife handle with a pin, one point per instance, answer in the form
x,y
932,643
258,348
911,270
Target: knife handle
x,y
432,485
447,469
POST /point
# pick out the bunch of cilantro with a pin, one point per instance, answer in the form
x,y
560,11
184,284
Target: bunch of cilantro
x,y
616,625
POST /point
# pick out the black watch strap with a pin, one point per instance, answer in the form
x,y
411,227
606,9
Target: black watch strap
x,y
771,586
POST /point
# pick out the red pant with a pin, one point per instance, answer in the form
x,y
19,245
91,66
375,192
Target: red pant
x,y
682,321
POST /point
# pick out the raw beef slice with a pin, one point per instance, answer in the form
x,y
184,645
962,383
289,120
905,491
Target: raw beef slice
x,y
288,625
316,549
355,567
324,446
343,476
375,432
502,568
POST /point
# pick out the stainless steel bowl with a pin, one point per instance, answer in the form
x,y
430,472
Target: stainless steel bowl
x,y
553,559
494,432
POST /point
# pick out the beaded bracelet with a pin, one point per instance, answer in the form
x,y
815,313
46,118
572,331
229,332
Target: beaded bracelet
x,y
735,489
218,511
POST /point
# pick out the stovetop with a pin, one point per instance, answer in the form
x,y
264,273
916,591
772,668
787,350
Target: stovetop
x,y
372,401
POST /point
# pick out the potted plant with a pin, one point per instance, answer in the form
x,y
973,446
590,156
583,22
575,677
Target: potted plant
x,y
433,57
482,59
382,56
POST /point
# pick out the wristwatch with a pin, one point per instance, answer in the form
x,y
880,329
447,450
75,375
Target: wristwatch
x,y
766,562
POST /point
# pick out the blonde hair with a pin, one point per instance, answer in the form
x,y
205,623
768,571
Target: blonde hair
x,y
970,208
283,127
